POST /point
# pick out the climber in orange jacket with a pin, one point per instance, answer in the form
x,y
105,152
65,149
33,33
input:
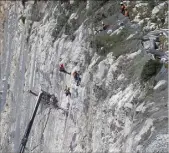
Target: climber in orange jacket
x,y
62,69
105,27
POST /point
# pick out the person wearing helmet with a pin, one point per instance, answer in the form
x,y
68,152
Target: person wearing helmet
x,y
54,101
122,8
67,91
77,78
23,3
105,27
75,74
162,40
62,69
126,12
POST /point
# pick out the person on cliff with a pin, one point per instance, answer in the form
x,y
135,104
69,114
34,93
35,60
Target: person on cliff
x,y
23,3
105,27
54,101
126,12
122,8
62,69
162,39
67,92
77,78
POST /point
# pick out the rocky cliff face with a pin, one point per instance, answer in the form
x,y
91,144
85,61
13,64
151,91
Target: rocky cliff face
x,y
115,109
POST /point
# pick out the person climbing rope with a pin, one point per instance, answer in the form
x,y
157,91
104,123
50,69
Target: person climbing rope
x,y
162,40
67,91
54,101
104,26
23,3
126,13
122,8
162,21
62,69
77,78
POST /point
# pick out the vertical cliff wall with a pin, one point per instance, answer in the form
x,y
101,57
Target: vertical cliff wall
x,y
113,109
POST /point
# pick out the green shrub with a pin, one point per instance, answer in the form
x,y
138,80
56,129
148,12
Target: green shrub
x,y
96,13
78,5
105,43
150,69
136,67
61,22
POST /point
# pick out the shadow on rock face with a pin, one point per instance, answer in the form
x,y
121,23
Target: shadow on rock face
x,y
100,92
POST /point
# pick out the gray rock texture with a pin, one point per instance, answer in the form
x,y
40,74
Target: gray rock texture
x,y
111,110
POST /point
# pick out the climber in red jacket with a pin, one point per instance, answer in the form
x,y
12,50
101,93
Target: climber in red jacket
x,y
62,69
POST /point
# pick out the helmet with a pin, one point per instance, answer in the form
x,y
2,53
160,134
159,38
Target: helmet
x,y
121,3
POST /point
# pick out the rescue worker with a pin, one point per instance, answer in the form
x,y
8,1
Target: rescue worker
x,y
54,101
77,78
126,13
23,3
105,27
162,40
67,91
162,21
122,8
62,69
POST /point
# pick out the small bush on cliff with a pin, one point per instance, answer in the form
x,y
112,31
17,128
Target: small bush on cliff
x,y
151,4
106,43
150,69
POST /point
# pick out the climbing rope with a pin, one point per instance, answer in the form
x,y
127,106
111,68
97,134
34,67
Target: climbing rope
x,y
66,124
42,130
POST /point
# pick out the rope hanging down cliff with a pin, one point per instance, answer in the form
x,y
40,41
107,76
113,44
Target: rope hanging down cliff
x,y
66,123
